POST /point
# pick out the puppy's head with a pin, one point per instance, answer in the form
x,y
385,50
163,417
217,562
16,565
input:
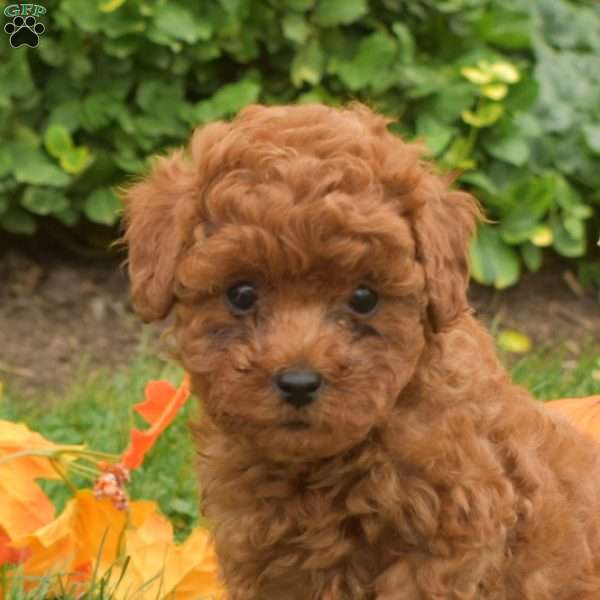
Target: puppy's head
x,y
310,256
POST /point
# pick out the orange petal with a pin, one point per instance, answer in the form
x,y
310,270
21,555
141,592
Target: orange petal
x,y
87,530
157,397
159,567
142,441
584,413
9,554
24,506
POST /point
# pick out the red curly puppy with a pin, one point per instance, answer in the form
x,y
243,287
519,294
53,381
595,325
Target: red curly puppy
x,y
360,439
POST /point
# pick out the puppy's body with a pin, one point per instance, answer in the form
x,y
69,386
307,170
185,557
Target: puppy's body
x,y
486,498
413,468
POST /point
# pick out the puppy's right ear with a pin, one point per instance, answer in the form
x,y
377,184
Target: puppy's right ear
x,y
155,232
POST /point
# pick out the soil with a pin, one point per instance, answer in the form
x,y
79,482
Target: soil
x,y
58,309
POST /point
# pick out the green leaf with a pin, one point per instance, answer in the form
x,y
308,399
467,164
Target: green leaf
x,y
339,12
574,226
43,201
57,140
437,135
6,160
514,341
68,217
493,262
66,114
76,160
233,97
564,242
16,220
300,5
375,54
568,199
480,180
532,256
505,28
406,42
307,65
450,101
100,109
459,154
103,206
177,22
36,169
522,95
295,28
592,137
527,205
512,149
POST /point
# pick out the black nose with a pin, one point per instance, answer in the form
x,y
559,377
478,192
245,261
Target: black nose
x,y
298,388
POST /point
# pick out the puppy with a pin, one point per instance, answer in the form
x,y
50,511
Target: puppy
x,y
359,438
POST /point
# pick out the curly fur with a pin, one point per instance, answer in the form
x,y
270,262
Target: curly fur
x,y
421,472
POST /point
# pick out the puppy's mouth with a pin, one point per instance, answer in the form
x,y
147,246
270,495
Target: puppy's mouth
x,y
295,425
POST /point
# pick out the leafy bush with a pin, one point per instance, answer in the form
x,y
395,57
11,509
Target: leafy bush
x,y
505,92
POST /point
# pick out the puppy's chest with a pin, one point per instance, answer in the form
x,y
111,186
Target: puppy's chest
x,y
317,531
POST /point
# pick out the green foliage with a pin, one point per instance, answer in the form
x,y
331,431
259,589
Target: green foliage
x,y
505,92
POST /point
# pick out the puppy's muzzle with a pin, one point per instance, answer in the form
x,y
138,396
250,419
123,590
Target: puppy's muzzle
x,y
298,387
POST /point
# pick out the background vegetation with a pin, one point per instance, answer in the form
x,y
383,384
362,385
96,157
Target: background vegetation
x,y
506,92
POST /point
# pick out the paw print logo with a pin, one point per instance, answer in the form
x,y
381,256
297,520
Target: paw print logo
x,y
24,32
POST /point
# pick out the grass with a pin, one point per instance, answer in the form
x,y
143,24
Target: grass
x,y
96,410
558,374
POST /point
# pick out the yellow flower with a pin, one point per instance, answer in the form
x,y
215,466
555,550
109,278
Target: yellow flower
x,y
485,73
542,236
475,75
495,91
111,5
505,72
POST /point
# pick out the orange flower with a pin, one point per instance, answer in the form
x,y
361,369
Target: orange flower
x,y
86,532
159,409
584,413
9,554
93,536
24,506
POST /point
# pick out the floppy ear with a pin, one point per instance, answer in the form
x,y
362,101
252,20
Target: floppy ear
x,y
155,232
443,227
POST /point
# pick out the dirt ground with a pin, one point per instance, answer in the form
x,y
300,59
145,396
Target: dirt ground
x,y
58,309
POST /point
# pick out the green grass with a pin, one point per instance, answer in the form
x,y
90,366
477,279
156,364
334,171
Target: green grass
x,y
558,374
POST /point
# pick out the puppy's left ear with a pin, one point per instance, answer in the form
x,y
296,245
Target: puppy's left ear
x,y
155,232
443,227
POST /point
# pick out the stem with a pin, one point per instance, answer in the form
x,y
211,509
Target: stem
x,y
63,476
85,452
84,471
55,452
24,453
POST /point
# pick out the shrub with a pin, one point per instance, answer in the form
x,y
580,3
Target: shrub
x,y
506,93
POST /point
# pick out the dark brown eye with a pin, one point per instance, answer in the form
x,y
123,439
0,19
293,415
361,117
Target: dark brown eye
x,y
363,300
242,296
